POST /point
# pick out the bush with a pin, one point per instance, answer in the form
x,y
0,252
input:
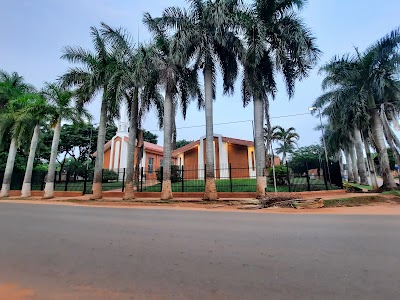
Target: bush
x,y
175,174
280,174
109,175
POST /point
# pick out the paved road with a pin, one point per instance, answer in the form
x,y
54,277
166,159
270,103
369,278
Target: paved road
x,y
64,252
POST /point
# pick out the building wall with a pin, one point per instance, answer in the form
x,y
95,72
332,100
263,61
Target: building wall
x,y
191,163
106,162
238,159
251,161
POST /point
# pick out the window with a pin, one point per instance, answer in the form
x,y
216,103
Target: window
x,y
150,166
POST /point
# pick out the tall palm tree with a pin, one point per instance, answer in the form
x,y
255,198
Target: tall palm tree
x,y
359,85
32,115
276,40
203,34
92,78
180,84
135,81
61,107
20,129
12,86
288,138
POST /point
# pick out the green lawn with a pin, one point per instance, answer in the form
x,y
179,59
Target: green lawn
x,y
241,185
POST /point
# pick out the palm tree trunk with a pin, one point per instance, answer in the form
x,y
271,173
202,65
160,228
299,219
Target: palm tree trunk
x,y
49,188
259,147
166,192
27,185
371,163
354,163
349,165
12,152
340,159
360,157
284,158
391,138
379,142
210,192
98,167
130,171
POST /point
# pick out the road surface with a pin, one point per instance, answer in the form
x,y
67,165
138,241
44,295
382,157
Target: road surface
x,y
66,252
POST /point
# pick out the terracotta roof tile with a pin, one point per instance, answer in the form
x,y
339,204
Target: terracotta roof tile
x,y
237,141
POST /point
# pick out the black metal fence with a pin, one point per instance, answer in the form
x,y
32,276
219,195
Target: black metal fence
x,y
192,179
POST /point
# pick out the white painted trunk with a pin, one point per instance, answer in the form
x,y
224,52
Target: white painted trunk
x,y
349,165
166,192
379,142
259,147
354,163
27,185
360,157
101,139
12,152
133,125
210,192
371,163
49,188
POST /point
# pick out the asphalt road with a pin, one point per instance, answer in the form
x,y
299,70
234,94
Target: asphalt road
x,y
64,252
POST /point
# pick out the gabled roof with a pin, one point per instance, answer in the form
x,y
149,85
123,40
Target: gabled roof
x,y
186,148
147,146
224,139
237,141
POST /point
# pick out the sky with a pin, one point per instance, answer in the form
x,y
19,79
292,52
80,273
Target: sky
x,y
33,34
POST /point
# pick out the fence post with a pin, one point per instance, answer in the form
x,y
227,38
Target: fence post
x,y
288,177
325,179
162,177
43,181
85,182
183,180
123,181
66,182
141,179
230,177
308,179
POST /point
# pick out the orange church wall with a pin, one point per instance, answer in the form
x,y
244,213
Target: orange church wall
x,y
238,158
106,162
191,159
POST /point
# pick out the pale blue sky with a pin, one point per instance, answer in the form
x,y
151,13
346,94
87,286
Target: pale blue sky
x,y
33,34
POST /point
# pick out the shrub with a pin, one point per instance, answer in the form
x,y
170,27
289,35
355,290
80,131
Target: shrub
x,y
109,175
280,174
175,174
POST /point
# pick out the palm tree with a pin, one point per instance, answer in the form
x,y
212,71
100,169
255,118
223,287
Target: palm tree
x,y
359,86
32,116
288,139
203,35
12,86
94,77
135,81
61,107
276,40
11,122
179,83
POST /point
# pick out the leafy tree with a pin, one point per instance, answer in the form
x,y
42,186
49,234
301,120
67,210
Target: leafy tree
x,y
181,143
150,137
311,155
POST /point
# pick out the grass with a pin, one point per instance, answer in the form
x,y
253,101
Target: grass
x,y
359,201
242,185
360,186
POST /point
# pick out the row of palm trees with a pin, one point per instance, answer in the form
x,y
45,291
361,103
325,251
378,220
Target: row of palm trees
x,y
362,102
259,39
264,37
23,111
